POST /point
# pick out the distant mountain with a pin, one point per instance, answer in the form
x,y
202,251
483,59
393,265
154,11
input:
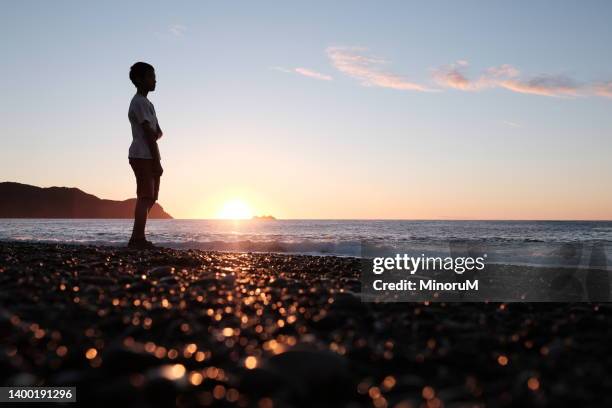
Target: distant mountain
x,y
25,201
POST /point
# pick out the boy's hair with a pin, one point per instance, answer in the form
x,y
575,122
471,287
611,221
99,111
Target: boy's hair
x,y
139,70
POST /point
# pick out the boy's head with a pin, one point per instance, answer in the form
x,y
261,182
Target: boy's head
x,y
142,76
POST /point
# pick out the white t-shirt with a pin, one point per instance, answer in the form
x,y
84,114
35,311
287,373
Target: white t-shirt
x,y
141,110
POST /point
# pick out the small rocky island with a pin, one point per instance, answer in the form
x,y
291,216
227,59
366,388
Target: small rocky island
x,y
264,217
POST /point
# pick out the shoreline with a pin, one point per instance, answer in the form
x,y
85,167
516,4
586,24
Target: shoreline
x,y
245,329
279,248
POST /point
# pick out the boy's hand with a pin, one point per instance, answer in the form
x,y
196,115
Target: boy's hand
x,y
151,137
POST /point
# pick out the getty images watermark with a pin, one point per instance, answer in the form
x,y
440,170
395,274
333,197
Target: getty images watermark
x,y
411,265
471,272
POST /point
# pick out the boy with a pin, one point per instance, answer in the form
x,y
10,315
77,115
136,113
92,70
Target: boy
x,y
144,154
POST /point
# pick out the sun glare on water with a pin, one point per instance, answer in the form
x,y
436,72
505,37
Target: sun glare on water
x,y
235,210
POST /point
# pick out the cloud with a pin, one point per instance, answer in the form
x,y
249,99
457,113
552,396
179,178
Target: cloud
x,y
305,72
453,76
507,77
282,69
177,30
603,89
502,71
356,63
313,74
545,85
511,124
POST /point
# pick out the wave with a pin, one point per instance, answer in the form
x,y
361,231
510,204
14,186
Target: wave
x,y
524,252
337,248
334,248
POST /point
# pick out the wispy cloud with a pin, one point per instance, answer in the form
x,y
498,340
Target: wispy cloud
x,y
508,77
453,76
356,63
177,30
305,72
603,89
511,124
282,69
545,85
313,74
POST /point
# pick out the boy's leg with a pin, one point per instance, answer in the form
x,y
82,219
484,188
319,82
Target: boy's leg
x,y
156,180
145,191
140,218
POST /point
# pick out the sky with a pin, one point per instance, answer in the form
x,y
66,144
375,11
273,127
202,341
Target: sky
x,y
326,110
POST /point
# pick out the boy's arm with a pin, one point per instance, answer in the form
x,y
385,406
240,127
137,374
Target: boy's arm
x,y
151,137
159,132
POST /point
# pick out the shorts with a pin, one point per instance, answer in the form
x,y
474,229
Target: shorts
x,y
147,174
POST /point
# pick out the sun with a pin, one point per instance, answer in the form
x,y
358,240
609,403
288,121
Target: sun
x,y
235,210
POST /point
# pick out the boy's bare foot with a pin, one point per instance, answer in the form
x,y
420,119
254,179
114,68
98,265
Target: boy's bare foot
x,y
141,243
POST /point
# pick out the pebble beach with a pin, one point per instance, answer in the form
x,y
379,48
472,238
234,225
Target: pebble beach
x,y
187,328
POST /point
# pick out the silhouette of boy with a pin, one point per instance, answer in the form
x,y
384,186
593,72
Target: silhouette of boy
x,y
144,154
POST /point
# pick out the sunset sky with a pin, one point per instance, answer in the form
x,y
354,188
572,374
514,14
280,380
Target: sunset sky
x,y
343,109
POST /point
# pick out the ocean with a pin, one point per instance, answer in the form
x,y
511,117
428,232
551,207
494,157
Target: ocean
x,y
559,243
